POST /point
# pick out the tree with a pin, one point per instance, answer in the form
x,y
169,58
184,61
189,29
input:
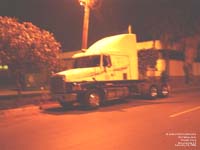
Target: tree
x,y
24,46
179,29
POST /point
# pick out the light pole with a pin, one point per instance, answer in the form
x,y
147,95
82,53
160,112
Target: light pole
x,y
86,5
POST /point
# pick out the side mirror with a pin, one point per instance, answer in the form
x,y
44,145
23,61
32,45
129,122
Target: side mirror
x,y
106,61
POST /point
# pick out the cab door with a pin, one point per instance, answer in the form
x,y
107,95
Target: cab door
x,y
107,68
121,67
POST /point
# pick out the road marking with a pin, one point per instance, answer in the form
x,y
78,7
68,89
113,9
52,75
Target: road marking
x,y
184,112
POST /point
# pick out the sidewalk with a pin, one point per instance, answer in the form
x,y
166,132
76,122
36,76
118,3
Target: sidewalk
x,y
7,94
185,89
180,86
10,99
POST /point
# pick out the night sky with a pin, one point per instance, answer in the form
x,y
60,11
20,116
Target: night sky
x,y
64,17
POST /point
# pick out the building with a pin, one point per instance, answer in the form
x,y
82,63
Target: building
x,y
171,60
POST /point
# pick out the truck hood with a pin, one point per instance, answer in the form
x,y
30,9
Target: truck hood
x,y
79,74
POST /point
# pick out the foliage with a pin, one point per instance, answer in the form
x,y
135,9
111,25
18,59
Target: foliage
x,y
24,46
147,58
179,30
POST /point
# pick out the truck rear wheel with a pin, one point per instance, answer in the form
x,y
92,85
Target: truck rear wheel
x,y
153,92
92,99
164,90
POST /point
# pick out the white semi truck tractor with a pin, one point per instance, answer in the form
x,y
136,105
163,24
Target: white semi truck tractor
x,y
106,71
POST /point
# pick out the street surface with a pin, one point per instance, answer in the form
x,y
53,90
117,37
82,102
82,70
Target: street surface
x,y
164,124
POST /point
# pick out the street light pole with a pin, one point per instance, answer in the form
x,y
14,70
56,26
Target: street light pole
x,y
85,4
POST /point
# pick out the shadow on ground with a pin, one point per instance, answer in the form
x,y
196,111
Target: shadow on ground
x,y
117,105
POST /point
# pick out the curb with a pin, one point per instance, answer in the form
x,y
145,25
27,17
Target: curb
x,y
16,112
10,97
23,95
188,89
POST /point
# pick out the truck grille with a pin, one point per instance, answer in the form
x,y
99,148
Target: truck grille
x,y
57,84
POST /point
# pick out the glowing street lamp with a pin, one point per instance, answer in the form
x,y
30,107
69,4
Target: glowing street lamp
x,y
86,5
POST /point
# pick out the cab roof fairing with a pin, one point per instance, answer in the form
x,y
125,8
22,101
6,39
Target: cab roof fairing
x,y
118,44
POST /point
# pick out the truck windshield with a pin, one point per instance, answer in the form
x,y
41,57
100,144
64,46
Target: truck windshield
x,y
87,61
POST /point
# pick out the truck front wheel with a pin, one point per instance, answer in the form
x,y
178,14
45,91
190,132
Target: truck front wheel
x,y
92,99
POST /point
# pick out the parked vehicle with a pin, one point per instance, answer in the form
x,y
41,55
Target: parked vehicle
x,y
108,70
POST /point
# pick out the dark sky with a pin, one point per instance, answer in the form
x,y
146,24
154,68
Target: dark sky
x,y
64,17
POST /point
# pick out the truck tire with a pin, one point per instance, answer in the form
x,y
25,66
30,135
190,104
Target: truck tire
x,y
164,91
153,92
92,99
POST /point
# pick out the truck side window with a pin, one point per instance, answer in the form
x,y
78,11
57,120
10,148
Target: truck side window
x,y
106,61
95,60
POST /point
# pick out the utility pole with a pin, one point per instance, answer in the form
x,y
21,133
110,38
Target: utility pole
x,y
86,5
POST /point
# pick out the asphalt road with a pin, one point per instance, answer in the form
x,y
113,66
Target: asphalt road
x,y
164,124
